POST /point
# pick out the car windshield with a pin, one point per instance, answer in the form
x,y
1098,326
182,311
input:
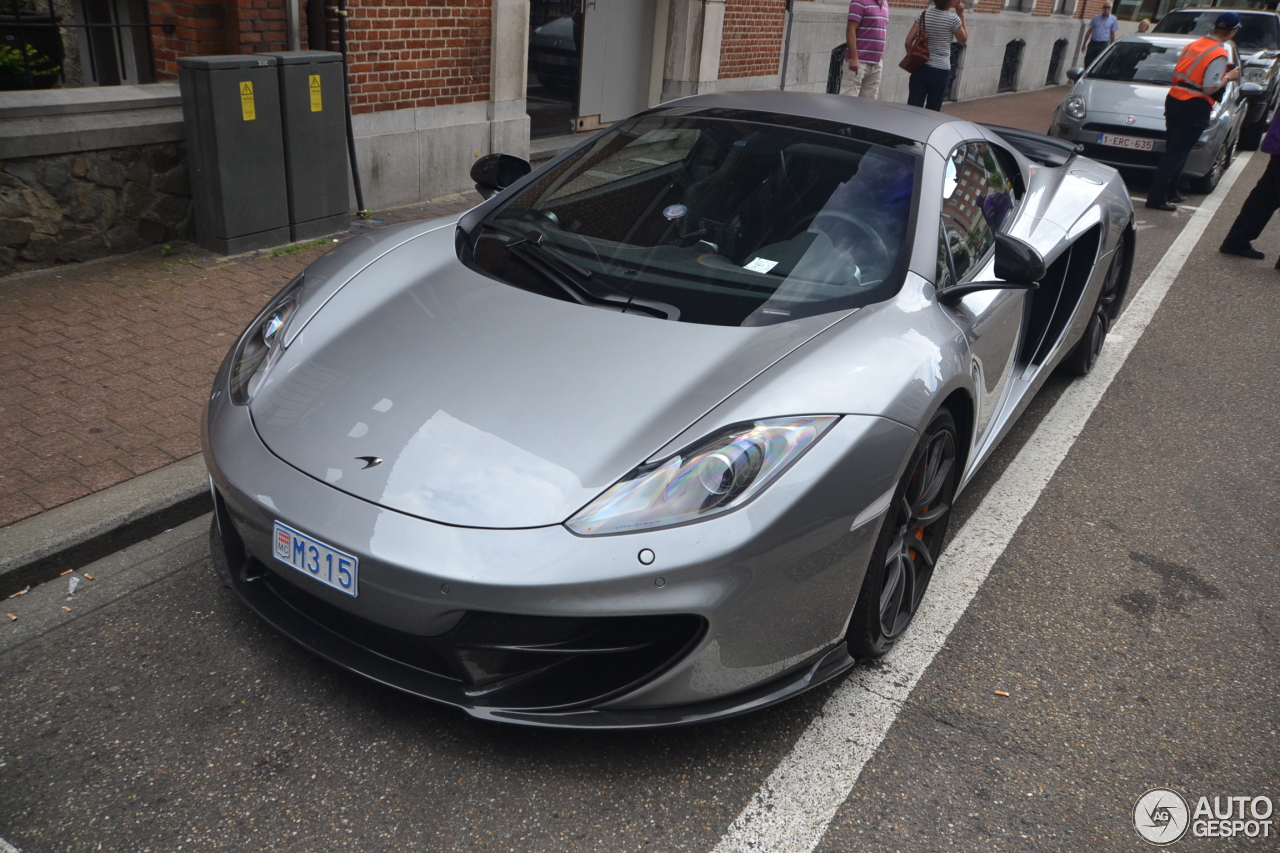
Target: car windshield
x,y
1138,62
1257,32
711,220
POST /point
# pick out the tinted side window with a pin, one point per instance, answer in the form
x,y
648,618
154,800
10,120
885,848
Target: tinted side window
x,y
977,202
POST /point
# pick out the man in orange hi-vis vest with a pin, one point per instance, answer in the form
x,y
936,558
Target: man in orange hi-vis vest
x,y
1201,72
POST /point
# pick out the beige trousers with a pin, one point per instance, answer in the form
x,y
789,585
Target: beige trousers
x,y
866,83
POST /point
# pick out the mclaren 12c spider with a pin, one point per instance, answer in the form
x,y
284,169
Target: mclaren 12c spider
x,y
668,429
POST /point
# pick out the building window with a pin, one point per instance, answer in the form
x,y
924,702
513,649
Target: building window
x,y
1011,65
1055,63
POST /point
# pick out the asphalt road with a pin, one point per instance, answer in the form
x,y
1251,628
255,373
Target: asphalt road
x,y
1132,620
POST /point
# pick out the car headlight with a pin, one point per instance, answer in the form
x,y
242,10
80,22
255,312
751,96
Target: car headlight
x,y
711,477
1256,74
261,344
1074,106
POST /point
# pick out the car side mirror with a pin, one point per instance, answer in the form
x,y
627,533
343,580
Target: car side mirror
x,y
1251,90
493,173
1018,265
1074,74
1018,261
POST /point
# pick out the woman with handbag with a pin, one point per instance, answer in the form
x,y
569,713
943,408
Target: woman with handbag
x,y
929,52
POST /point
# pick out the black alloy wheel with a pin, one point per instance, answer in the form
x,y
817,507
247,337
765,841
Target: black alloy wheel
x,y
909,543
1084,356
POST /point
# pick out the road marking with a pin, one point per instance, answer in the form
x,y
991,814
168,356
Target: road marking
x,y
791,811
6,847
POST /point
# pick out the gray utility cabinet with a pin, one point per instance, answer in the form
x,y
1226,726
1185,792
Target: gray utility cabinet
x,y
235,151
315,142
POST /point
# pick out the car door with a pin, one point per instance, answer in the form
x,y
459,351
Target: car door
x,y
978,201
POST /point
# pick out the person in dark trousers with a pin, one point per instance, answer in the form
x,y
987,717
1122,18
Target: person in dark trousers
x,y
1102,32
927,85
1201,72
1263,201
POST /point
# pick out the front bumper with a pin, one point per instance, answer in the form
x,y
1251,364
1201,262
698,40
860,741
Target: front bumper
x,y
737,612
1086,133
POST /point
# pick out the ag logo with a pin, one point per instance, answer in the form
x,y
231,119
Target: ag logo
x,y
1160,816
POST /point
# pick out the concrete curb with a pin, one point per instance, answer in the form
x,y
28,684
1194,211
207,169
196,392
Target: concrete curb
x,y
41,547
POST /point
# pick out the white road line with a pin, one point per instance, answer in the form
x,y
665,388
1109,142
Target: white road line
x,y
791,811
6,847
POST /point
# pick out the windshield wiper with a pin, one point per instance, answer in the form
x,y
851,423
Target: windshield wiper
x,y
579,283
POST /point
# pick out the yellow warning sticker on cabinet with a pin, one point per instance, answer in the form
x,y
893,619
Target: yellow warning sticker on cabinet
x,y
246,101
314,83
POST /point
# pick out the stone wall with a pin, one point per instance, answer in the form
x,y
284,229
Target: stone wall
x,y
64,208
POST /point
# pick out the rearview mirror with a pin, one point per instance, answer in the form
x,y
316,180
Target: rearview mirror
x,y
1251,90
495,172
1074,74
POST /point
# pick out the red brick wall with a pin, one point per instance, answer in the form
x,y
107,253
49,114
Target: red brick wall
x,y
199,28
208,27
402,53
751,42
418,53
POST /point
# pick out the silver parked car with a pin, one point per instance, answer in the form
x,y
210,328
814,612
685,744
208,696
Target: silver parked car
x,y
668,429
1115,110
1259,45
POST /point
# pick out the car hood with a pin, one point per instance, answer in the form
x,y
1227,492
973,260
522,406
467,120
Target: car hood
x,y
489,406
1112,102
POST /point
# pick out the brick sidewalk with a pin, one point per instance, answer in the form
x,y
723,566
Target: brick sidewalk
x,y
105,366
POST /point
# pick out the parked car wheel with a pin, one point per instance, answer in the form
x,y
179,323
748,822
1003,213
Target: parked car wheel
x,y
1085,355
1208,182
910,541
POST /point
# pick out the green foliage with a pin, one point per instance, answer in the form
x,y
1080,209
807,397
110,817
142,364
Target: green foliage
x,y
165,250
13,66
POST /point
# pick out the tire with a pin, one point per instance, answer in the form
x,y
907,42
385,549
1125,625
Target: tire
x,y
908,545
1208,182
1085,354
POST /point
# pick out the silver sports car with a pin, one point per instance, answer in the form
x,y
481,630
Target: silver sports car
x,y
668,429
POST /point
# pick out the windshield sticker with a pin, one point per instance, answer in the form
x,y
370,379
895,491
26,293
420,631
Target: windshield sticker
x,y
761,265
675,211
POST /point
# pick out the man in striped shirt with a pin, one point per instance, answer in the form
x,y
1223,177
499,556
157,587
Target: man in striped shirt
x,y
865,34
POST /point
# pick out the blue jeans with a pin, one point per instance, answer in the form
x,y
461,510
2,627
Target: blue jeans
x,y
927,87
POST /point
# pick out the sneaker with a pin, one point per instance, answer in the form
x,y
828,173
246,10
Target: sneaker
x,y
1244,251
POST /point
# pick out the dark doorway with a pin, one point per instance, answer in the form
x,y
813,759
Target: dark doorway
x,y
1011,65
957,61
1055,62
555,63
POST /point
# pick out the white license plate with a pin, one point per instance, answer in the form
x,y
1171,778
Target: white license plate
x,y
1133,143
312,557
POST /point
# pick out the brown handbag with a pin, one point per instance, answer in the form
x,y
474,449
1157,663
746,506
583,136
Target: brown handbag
x,y
917,51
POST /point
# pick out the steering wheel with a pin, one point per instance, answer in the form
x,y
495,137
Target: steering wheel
x,y
877,243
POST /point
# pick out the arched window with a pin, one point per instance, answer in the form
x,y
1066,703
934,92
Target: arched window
x,y
1055,62
1012,63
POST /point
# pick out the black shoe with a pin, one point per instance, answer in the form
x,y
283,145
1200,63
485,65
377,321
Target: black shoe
x,y
1177,199
1155,205
1244,251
